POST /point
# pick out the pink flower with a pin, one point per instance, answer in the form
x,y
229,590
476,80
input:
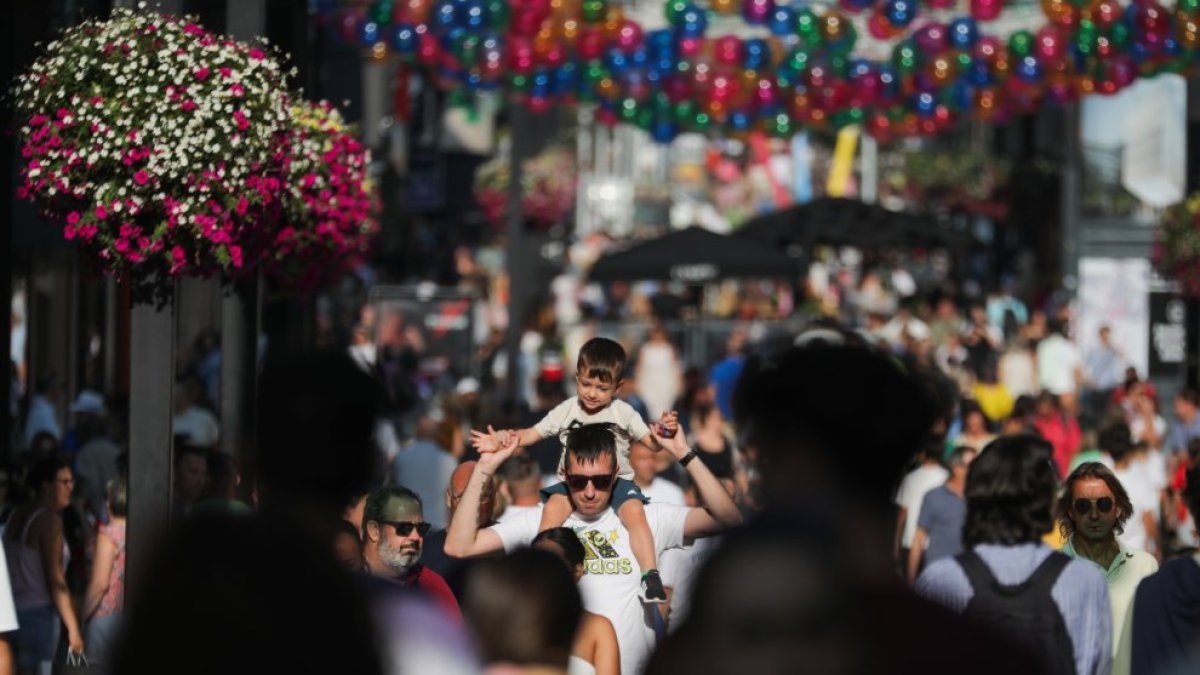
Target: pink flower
x,y
256,54
177,254
69,232
242,123
188,105
193,29
122,245
141,177
242,205
237,90
73,218
235,253
126,230
225,72
201,74
101,212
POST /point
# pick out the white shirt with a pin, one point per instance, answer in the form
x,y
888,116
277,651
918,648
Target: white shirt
x,y
1144,497
912,492
611,579
569,414
512,511
8,610
679,568
663,491
1057,360
198,425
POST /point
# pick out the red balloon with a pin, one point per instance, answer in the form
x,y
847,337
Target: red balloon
x,y
879,27
591,43
727,50
1049,44
986,10
1106,13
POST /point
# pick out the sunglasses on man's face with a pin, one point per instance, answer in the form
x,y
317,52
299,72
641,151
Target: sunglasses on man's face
x,y
578,481
1084,506
405,529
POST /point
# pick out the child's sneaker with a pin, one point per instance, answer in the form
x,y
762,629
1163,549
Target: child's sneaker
x,y
652,589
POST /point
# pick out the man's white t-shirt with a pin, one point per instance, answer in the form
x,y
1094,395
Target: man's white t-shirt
x,y
1057,360
1144,497
611,579
512,511
569,415
912,492
663,491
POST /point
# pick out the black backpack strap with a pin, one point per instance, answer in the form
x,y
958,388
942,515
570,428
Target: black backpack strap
x,y
1046,575
978,574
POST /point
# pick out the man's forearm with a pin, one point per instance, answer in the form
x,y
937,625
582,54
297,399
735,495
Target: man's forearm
x,y
464,526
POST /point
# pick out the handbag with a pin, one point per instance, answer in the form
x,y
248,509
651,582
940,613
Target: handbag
x,y
72,664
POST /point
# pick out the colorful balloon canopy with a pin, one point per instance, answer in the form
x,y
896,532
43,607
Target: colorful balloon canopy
x,y
803,71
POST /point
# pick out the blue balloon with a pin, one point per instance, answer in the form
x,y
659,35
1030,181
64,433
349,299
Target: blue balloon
x,y
404,39
888,82
476,14
962,33
858,68
660,41
900,13
739,120
962,95
369,33
473,79
566,79
663,131
980,74
1029,69
925,104
756,53
445,16
453,37
692,21
639,58
617,61
1170,46
783,21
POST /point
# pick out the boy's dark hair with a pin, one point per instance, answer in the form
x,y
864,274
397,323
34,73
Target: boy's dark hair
x,y
567,540
1116,440
46,470
602,359
1010,492
590,442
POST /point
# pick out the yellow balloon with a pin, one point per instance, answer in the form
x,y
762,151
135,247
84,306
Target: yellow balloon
x,y
723,6
569,30
614,17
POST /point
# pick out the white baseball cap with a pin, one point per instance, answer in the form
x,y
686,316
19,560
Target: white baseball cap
x,y
90,402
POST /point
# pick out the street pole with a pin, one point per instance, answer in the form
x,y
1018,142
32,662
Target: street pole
x,y
516,272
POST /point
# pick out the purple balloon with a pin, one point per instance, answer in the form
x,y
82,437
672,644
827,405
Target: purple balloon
x,y
931,39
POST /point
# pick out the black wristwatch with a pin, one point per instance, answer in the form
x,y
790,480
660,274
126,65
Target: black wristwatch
x,y
691,454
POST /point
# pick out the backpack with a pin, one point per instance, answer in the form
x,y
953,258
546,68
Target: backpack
x,y
1026,612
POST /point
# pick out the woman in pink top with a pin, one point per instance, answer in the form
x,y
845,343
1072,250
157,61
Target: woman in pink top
x,y
105,597
1060,429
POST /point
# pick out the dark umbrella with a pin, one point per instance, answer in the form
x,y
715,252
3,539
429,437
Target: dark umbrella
x,y
694,256
837,221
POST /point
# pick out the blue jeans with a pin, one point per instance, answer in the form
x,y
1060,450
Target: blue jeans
x,y
34,641
98,638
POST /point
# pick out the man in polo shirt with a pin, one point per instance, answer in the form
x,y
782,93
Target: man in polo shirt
x,y
1091,513
610,585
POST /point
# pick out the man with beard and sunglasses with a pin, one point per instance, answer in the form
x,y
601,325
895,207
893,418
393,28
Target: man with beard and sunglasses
x,y
611,580
394,530
1092,511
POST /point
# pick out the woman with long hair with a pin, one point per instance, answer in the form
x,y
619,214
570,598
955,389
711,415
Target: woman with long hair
x,y
595,647
105,597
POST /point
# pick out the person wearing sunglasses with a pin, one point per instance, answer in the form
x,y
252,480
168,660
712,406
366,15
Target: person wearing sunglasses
x,y
394,530
1092,511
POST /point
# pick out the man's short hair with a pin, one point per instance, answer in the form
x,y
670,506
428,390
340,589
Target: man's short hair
x,y
1010,492
590,442
602,359
1116,440
1083,472
1189,395
520,468
378,499
958,456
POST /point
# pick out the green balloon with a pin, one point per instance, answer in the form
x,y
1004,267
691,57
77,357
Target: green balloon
x,y
780,125
837,64
519,82
594,72
593,11
702,121
498,14
660,104
1085,37
856,115
1189,7
645,118
1021,43
1119,34
684,112
797,64
381,13
629,109
896,113
965,61
904,57
673,9
466,50
807,28
845,45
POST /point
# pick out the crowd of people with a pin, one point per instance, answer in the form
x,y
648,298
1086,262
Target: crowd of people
x,y
942,491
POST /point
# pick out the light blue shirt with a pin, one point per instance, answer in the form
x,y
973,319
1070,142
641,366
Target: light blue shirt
x,y
425,468
1081,594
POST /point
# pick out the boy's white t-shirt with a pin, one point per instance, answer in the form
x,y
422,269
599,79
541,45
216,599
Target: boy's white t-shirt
x,y
611,580
569,415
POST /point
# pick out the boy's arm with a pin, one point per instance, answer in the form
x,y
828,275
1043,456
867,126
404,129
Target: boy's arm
x,y
718,511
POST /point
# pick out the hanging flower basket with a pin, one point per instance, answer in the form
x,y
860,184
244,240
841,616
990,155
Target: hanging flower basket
x,y
548,183
1177,245
155,144
328,219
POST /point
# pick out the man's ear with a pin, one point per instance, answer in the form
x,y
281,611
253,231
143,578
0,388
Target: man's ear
x,y
372,531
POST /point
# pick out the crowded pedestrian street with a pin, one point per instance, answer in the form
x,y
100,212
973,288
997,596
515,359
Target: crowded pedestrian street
x,y
601,337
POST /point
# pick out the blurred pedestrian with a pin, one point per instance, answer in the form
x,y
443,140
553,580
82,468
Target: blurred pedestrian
x,y
943,512
104,600
595,648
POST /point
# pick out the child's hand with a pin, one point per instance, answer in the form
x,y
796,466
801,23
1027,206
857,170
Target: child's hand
x,y
675,444
504,443
668,424
491,441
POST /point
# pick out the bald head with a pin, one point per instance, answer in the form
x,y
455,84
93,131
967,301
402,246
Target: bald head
x,y
458,485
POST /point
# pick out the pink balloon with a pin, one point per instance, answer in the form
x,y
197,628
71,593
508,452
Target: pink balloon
x,y
677,89
427,47
690,47
940,4
765,92
1048,44
867,89
931,39
590,44
629,36
986,10
538,104
727,50
520,54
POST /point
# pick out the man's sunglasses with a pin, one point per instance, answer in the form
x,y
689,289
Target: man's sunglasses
x,y
1084,506
405,529
580,481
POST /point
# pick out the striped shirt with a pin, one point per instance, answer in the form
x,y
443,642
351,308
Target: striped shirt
x,y
1080,593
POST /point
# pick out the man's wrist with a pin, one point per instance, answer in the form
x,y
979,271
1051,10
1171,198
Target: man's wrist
x,y
687,458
